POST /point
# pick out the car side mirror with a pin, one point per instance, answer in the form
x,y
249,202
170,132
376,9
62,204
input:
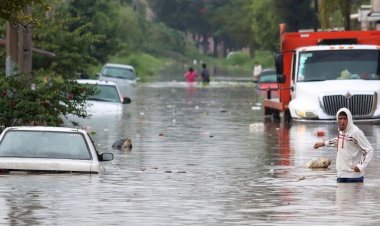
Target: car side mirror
x,y
106,157
98,74
126,100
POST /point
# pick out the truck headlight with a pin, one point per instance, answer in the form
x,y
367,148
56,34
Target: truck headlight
x,y
307,114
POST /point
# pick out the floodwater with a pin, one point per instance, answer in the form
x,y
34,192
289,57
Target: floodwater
x,y
202,155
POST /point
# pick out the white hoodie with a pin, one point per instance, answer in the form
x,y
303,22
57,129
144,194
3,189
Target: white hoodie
x,y
353,149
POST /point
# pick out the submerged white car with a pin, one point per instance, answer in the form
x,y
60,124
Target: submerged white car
x,y
109,100
122,74
49,149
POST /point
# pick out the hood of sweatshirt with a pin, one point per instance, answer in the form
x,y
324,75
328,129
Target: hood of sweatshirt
x,y
350,123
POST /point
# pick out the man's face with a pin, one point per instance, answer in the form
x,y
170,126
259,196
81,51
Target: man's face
x,y
342,122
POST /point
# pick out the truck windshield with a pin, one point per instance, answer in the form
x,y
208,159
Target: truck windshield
x,y
338,64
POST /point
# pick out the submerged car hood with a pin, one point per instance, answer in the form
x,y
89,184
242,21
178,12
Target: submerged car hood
x,y
103,108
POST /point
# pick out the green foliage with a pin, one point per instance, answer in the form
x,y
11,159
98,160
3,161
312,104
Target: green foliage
x,y
145,64
163,41
336,13
130,32
100,18
244,61
239,58
224,20
265,25
12,11
231,22
294,13
182,15
41,100
72,48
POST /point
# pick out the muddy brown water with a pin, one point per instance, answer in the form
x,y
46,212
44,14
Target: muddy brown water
x,y
202,155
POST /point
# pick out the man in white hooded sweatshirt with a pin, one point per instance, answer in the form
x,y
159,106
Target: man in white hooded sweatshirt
x,y
353,149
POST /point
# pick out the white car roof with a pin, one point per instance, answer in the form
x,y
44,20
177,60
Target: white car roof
x,y
120,65
46,128
95,81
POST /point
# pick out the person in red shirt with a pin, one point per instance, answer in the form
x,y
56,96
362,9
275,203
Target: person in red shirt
x,y
190,75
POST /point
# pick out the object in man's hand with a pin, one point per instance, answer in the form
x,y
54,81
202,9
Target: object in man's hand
x,y
321,162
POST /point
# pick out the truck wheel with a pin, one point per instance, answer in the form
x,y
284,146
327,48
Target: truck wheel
x,y
276,115
287,116
267,111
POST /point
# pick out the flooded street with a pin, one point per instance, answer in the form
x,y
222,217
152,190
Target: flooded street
x,y
202,155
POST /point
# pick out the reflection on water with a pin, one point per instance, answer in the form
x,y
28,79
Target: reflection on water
x,y
202,155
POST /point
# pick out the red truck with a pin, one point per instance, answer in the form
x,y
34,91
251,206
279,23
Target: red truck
x,y
321,72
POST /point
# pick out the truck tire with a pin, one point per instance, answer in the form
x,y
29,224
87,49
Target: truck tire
x,y
276,115
287,116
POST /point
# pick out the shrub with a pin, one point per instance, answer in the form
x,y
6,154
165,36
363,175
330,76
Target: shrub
x,y
40,100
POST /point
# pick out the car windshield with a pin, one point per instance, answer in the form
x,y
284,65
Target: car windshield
x,y
107,93
44,144
268,76
119,72
338,64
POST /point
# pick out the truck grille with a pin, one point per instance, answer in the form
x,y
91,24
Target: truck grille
x,y
360,105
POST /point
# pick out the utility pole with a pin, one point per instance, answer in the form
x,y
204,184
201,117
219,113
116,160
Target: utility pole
x,y
11,50
19,47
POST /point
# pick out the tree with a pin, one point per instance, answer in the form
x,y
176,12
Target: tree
x,y
231,23
225,21
11,11
101,20
72,45
43,97
328,9
295,14
265,24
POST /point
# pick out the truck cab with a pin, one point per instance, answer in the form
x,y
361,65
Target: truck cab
x,y
327,78
321,72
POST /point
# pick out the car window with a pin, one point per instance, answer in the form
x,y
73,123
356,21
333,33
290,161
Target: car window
x,y
44,144
268,77
106,93
117,72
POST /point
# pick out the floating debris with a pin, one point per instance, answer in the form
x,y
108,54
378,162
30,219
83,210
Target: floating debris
x,y
321,162
123,144
320,133
256,126
256,108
